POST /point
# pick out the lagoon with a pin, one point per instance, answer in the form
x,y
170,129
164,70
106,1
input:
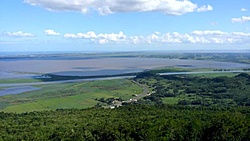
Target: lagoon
x,y
101,66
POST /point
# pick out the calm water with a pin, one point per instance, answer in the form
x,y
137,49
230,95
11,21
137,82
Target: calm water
x,y
100,66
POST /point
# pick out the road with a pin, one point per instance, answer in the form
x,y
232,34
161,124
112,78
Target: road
x,y
144,93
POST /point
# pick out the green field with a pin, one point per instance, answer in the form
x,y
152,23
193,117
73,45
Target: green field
x,y
222,89
170,100
88,94
215,74
69,95
210,105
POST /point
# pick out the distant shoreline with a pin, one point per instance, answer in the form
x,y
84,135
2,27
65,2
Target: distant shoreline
x,y
23,53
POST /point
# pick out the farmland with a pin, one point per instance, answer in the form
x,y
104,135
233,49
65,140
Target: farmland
x,y
69,95
156,98
78,80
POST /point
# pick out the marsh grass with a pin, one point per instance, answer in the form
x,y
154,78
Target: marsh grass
x,y
69,95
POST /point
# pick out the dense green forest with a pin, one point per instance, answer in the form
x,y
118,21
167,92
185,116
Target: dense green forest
x,y
206,108
131,122
203,91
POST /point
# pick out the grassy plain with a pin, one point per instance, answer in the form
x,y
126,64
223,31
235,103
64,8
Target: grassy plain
x,y
170,100
69,95
86,94
211,75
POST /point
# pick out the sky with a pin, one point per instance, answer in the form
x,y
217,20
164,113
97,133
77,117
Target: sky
x,y
124,25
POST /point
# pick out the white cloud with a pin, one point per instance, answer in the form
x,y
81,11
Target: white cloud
x,y
104,7
51,32
213,37
18,34
241,19
102,38
241,34
205,8
136,39
243,9
208,32
195,37
70,35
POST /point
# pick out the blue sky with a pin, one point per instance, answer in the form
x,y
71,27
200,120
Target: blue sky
x,y
124,25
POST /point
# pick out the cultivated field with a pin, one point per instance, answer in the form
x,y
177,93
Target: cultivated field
x,y
69,95
19,73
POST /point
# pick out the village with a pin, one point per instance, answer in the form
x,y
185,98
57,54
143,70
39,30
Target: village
x,y
146,92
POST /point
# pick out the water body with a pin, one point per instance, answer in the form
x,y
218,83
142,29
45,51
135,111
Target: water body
x,y
17,90
6,75
103,66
